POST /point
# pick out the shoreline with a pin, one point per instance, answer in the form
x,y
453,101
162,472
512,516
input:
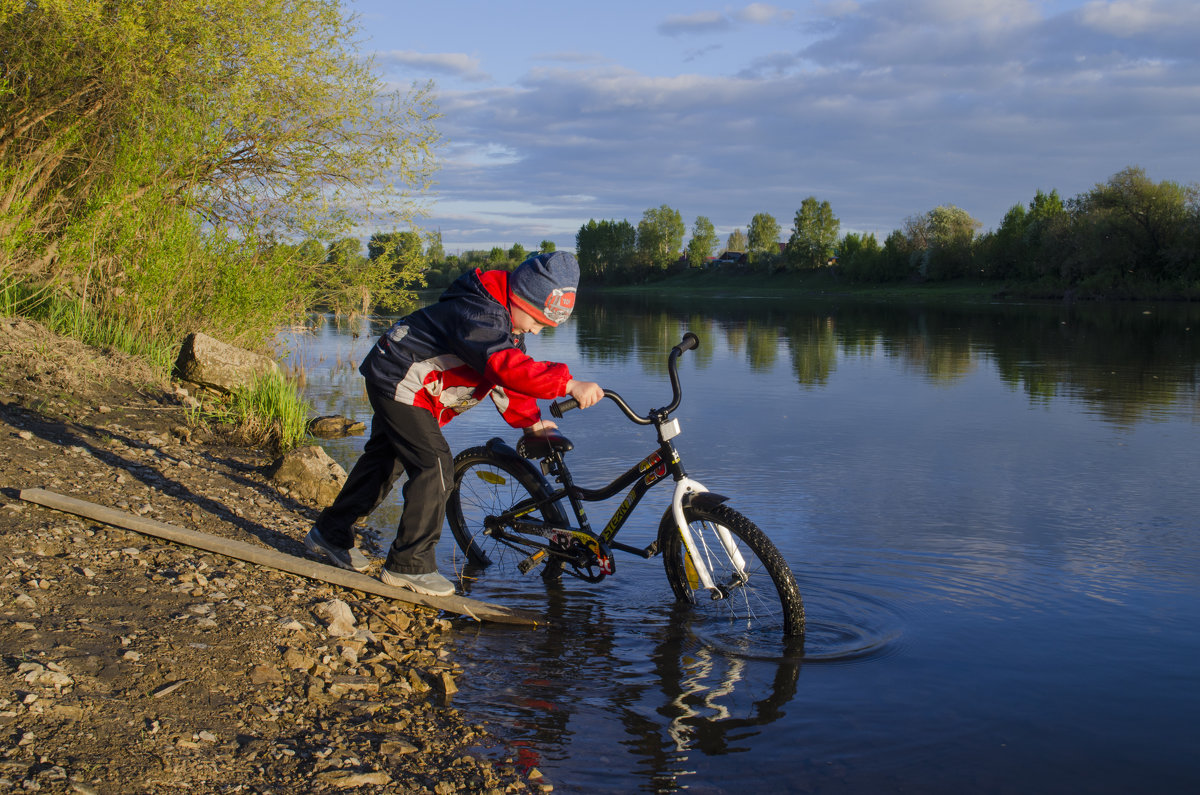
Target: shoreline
x,y
134,665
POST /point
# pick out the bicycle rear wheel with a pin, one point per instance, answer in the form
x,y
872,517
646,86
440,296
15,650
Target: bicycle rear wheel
x,y
762,596
487,485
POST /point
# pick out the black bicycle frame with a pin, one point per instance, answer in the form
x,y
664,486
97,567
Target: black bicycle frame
x,y
652,469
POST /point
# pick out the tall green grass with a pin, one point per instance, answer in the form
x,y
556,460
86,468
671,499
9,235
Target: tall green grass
x,y
270,412
70,317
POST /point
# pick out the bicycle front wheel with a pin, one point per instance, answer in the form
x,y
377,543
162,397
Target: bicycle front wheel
x,y
487,485
758,593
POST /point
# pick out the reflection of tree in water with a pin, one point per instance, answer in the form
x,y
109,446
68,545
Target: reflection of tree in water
x,y
1125,361
813,345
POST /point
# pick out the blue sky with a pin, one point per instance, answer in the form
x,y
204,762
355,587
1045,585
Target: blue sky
x,y
555,113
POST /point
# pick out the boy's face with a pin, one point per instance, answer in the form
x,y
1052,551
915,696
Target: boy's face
x,y
523,322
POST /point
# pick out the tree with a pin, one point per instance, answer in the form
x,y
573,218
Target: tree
x,y
703,242
763,239
255,116
860,258
398,265
547,247
517,253
435,253
814,235
736,241
605,248
659,237
943,238
1133,226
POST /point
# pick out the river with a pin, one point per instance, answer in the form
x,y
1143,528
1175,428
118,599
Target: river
x,y
992,513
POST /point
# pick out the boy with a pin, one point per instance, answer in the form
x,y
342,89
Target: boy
x,y
427,369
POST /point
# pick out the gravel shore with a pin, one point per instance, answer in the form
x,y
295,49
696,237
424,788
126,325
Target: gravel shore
x,y
134,665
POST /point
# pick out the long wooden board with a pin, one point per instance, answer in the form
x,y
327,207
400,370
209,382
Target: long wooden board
x,y
240,550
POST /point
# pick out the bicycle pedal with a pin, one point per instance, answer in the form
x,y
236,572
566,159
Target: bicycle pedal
x,y
532,561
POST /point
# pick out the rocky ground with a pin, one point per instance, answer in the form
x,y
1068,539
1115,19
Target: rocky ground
x,y
128,664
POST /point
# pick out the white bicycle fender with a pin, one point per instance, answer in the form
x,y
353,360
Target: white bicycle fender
x,y
683,487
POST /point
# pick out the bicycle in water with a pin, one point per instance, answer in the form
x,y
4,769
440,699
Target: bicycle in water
x,y
505,513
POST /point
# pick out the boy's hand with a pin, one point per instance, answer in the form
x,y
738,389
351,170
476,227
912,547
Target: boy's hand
x,y
588,393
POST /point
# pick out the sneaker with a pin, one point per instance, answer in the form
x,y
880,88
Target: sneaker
x,y
351,558
431,584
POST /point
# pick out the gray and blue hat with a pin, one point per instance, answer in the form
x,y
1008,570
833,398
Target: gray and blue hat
x,y
544,286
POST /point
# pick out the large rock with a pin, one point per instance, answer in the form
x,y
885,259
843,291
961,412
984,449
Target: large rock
x,y
310,474
215,364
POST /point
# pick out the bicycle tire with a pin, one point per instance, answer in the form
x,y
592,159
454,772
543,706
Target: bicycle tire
x,y
487,484
769,601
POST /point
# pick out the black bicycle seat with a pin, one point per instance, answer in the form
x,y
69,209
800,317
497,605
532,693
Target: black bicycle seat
x,y
539,444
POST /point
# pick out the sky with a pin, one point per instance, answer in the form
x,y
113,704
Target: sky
x,y
555,113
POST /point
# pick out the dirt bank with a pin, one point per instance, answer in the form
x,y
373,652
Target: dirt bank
x,y
132,665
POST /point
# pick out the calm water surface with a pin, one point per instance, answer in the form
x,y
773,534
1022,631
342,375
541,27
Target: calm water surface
x,y
993,515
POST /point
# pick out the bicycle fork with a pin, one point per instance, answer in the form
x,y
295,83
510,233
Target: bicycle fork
x,y
683,487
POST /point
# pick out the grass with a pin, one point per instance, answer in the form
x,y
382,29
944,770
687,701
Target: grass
x,y
270,411
71,318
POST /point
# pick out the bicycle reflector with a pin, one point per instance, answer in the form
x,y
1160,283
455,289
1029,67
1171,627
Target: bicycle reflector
x,y
495,478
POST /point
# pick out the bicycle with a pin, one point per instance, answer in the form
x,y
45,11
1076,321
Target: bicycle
x,y
504,509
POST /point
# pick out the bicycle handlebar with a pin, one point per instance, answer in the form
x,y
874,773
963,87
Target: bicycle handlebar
x,y
689,342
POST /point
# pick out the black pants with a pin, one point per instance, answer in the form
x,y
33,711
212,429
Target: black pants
x,y
403,439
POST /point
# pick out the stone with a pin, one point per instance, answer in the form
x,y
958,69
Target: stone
x,y
335,427
343,780
310,474
298,661
397,748
265,675
209,362
338,618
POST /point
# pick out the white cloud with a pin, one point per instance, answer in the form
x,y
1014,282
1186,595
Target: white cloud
x,y
763,14
454,64
701,22
896,108
1127,18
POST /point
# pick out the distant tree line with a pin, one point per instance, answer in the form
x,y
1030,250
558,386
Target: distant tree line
x,y
1128,236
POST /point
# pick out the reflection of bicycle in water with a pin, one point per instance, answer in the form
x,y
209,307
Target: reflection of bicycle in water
x,y
715,696
597,707
505,513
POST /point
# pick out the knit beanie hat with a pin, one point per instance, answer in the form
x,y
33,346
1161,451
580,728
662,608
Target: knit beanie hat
x,y
544,286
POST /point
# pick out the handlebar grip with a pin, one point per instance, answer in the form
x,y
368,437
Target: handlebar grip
x,y
557,409
690,342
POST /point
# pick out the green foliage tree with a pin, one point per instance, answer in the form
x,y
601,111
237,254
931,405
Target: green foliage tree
x,y
517,253
736,241
814,235
199,125
659,237
860,258
703,242
398,264
435,253
1131,228
605,248
763,240
547,247
943,238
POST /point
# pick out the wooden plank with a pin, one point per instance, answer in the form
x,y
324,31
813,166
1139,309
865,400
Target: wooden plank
x,y
261,556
